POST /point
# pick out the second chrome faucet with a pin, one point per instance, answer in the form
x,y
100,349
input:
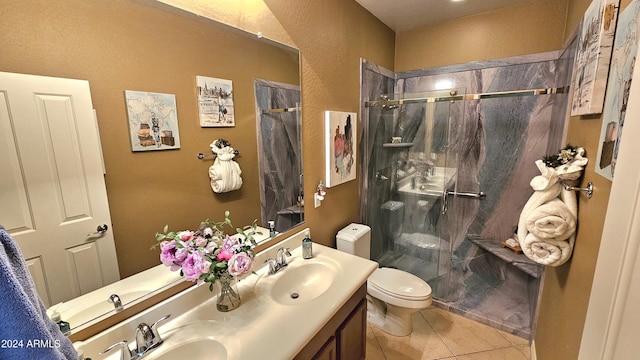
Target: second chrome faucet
x,y
280,261
147,339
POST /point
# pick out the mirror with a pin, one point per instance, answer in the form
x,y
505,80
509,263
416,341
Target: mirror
x,y
279,125
151,47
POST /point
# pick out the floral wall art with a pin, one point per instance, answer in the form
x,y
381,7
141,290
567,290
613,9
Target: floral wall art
x,y
591,63
340,147
153,121
215,102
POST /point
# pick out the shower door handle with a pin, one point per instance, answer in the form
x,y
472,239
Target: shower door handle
x,y
479,195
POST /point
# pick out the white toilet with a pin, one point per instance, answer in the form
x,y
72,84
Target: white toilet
x,y
393,295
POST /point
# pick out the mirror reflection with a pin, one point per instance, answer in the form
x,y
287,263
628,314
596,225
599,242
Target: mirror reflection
x,y
279,127
137,46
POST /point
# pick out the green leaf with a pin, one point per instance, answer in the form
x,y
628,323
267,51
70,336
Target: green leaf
x,y
221,264
165,229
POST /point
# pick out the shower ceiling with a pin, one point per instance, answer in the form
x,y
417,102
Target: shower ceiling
x,y
402,15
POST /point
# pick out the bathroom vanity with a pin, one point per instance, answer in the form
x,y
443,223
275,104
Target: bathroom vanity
x,y
312,308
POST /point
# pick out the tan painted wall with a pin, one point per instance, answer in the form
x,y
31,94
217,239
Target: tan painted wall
x,y
78,39
125,45
535,27
566,289
332,36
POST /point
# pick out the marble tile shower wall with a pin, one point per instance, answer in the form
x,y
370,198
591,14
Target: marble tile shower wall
x,y
280,153
496,142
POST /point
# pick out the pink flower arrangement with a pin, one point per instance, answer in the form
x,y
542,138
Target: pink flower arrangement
x,y
208,253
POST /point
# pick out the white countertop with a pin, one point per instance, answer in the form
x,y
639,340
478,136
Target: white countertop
x,y
260,328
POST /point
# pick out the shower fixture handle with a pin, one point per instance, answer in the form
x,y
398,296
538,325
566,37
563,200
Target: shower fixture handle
x,y
380,177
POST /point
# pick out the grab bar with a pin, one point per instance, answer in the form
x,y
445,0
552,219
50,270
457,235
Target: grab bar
x,y
480,195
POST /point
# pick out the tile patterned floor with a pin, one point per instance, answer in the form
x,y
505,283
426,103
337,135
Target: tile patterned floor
x,y
439,334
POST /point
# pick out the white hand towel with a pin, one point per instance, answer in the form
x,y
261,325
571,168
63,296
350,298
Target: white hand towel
x,y
225,175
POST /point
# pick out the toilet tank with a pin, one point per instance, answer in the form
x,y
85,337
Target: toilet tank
x,y
355,239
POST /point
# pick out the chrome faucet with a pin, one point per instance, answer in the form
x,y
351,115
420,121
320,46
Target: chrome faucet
x,y
117,303
147,339
279,262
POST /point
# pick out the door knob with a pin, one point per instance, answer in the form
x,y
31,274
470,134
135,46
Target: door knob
x,y
101,229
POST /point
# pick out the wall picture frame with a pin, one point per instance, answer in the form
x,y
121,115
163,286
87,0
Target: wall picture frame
x,y
153,121
593,56
340,147
215,102
623,61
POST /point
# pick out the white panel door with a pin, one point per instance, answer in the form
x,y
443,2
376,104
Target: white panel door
x,y
52,190
612,324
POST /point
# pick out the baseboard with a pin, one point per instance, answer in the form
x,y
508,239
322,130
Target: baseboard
x,y
533,350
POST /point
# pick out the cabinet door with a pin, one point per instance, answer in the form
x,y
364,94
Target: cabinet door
x,y
352,335
328,351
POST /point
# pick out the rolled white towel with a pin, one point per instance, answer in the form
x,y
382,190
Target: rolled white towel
x,y
536,200
551,221
550,252
545,251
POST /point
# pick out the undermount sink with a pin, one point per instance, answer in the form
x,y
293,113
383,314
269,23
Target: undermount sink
x,y
299,282
197,341
194,350
303,283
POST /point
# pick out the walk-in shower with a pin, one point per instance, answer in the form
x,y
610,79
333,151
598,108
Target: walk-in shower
x,y
415,164
445,173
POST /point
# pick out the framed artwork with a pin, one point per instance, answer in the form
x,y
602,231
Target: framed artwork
x,y
215,102
153,121
340,147
623,60
591,64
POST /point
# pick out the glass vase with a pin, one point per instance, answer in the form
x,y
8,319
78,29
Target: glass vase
x,y
228,295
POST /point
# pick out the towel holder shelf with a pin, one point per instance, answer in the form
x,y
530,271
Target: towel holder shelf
x,y
588,190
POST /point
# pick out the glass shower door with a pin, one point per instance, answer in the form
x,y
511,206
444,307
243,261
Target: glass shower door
x,y
412,169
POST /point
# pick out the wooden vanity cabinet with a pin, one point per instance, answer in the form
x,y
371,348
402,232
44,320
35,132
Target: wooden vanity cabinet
x,y
344,336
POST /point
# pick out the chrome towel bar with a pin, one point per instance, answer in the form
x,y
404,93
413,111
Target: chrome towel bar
x,y
588,190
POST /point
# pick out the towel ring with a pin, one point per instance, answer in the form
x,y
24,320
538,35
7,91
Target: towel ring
x,y
588,190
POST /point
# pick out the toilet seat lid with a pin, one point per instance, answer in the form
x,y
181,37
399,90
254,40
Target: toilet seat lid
x,y
400,284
